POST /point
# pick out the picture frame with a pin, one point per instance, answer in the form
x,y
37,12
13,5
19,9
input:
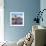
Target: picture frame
x,y
16,18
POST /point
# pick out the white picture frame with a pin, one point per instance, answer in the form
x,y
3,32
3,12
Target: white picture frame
x,y
16,18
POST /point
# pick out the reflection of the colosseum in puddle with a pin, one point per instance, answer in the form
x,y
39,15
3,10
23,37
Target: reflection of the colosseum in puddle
x,y
17,20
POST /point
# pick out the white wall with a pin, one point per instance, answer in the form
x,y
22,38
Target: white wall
x,y
1,25
43,4
1,21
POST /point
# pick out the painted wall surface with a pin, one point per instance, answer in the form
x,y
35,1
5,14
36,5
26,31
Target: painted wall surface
x,y
29,7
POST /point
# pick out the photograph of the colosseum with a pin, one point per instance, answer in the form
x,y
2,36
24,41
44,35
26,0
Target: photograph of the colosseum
x,y
17,18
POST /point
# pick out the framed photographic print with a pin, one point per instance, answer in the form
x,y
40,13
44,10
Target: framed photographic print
x,y
17,18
